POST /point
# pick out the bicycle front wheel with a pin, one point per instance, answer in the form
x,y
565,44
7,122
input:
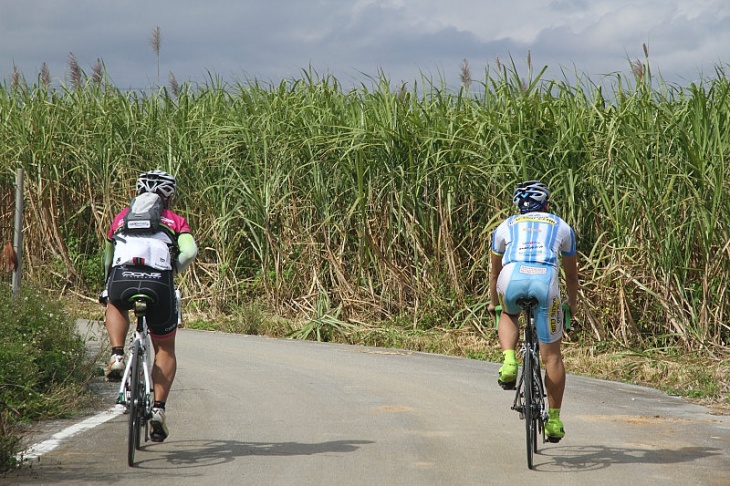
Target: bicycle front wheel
x,y
136,402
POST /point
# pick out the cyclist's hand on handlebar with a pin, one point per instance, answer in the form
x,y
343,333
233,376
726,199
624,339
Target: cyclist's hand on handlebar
x,y
104,297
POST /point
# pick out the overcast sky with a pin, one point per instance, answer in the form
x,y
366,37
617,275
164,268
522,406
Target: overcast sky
x,y
270,40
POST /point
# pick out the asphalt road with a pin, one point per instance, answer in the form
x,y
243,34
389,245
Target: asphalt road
x,y
252,410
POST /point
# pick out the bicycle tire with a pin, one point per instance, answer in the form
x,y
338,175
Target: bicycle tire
x,y
541,396
135,403
537,401
530,432
141,401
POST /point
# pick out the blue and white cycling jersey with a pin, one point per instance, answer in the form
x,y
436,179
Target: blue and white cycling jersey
x,y
530,245
538,238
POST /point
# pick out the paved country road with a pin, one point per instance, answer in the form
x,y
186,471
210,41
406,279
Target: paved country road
x,y
259,411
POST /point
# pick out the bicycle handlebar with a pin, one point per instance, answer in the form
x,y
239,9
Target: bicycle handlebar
x,y
567,318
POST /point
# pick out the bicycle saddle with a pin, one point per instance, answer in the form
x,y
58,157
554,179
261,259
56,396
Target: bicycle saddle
x,y
526,301
140,299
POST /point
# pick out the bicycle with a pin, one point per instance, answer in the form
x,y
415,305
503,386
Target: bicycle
x,y
530,393
135,391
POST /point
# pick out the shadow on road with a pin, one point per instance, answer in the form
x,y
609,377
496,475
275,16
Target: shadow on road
x,y
169,460
203,453
590,458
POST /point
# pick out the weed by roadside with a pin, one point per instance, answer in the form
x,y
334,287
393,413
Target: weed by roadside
x,y
43,371
701,378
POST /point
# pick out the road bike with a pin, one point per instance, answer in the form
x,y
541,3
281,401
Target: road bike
x,y
530,397
135,391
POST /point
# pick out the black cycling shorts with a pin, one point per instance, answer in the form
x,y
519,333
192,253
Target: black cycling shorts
x,y
126,281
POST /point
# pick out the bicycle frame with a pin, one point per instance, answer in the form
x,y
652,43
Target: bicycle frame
x,y
140,334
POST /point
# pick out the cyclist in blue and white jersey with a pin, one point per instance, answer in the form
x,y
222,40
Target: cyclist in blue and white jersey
x,y
526,249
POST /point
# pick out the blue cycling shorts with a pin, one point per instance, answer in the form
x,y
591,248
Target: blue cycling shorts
x,y
517,280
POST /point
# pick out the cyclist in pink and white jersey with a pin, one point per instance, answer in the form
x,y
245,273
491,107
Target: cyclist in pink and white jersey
x,y
148,262
526,249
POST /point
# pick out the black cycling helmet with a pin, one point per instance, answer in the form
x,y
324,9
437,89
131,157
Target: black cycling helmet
x,y
531,196
156,181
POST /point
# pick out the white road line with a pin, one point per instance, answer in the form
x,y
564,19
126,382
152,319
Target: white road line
x,y
34,452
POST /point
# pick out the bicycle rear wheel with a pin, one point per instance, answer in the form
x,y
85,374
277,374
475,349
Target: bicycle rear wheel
x,y
136,402
539,403
530,418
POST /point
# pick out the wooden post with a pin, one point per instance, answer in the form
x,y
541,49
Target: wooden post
x,y
18,236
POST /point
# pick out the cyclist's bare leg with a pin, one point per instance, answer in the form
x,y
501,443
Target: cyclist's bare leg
x,y
508,331
552,359
163,372
117,325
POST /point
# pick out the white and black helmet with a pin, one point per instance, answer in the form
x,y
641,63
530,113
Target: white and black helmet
x,y
156,181
531,196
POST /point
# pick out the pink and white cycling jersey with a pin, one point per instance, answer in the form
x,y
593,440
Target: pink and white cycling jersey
x,y
175,222
537,237
152,250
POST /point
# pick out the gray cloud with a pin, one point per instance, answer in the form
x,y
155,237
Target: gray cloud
x,y
273,40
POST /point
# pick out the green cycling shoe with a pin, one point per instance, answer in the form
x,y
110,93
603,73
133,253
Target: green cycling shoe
x,y
554,429
508,376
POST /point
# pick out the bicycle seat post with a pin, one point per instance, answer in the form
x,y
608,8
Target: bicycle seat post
x,y
140,307
141,304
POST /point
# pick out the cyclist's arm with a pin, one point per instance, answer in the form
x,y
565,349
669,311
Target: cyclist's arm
x,y
188,251
570,267
496,268
108,258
